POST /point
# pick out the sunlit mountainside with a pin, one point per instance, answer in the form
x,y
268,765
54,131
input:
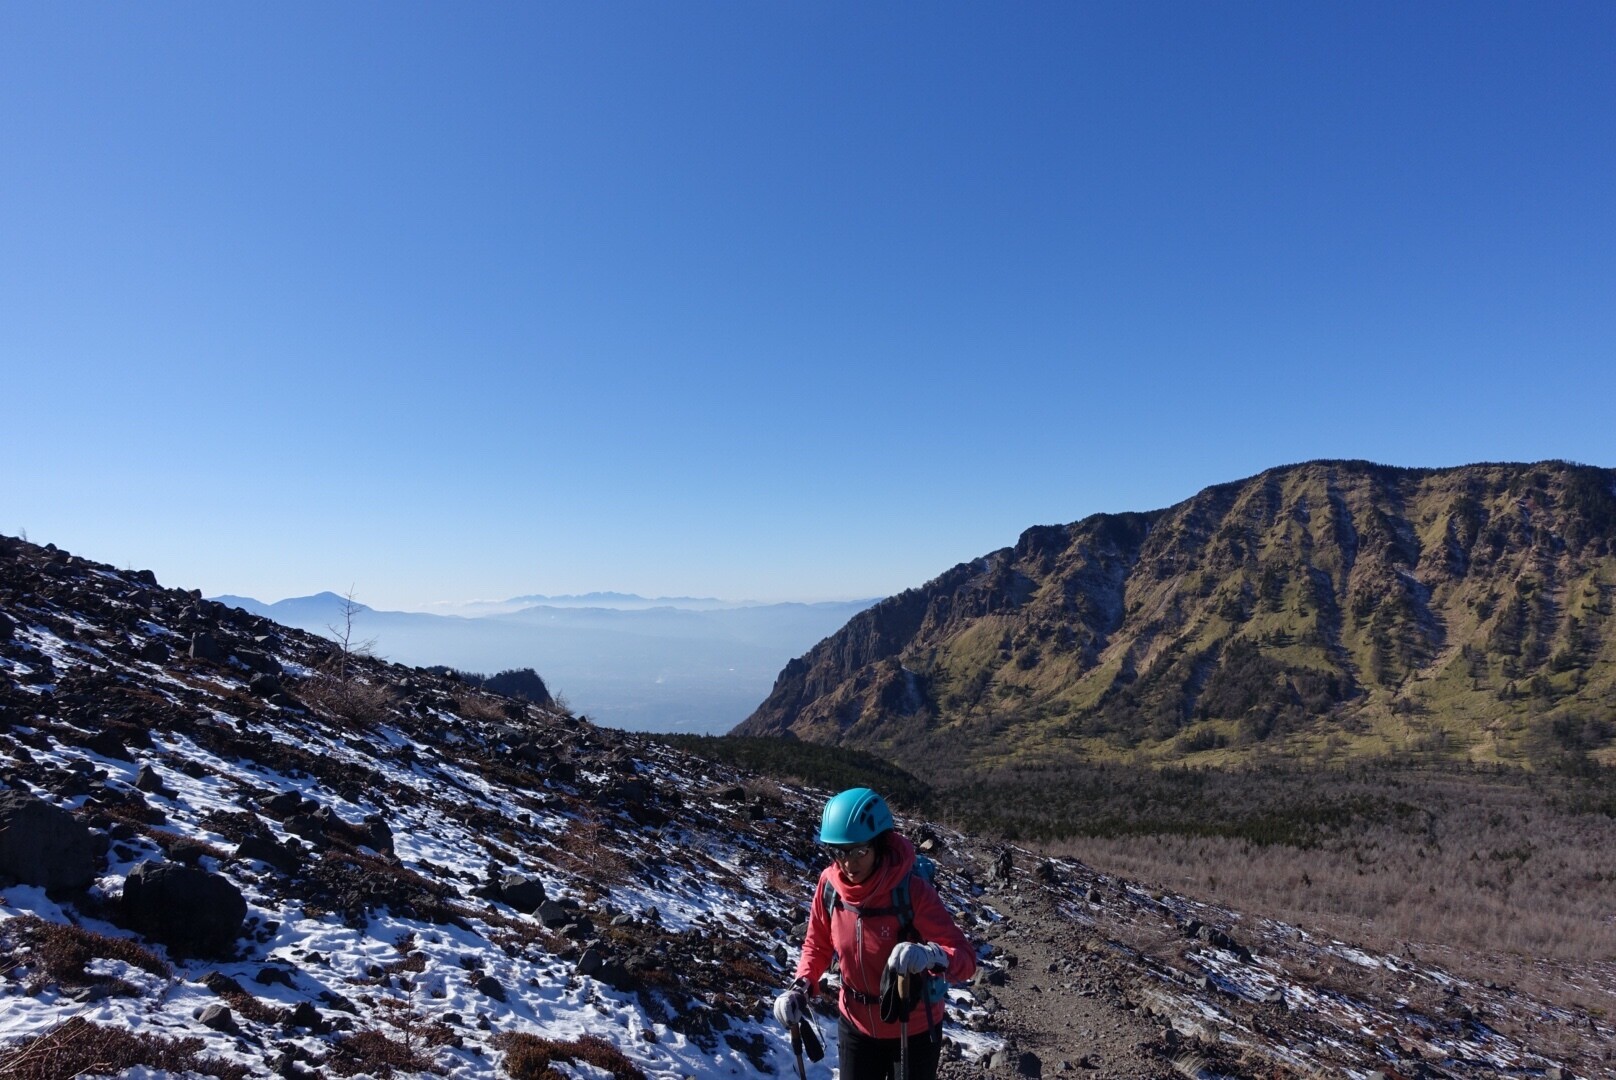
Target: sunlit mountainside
x,y
1321,611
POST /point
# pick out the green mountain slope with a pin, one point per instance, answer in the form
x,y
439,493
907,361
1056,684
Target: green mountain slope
x,y
1316,611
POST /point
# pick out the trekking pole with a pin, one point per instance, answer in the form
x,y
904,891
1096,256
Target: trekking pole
x,y
805,1039
796,1048
903,1027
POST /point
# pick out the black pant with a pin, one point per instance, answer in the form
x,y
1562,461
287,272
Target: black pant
x,y
864,1058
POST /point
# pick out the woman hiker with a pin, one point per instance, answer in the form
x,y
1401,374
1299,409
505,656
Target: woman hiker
x,y
882,919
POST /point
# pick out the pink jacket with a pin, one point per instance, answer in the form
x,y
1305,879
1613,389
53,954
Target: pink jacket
x,y
864,943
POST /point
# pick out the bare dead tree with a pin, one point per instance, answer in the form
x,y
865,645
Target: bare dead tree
x,y
342,632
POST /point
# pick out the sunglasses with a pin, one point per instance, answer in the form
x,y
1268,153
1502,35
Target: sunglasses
x,y
850,852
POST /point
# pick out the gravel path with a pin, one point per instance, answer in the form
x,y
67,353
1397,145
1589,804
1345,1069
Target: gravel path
x,y
1058,1000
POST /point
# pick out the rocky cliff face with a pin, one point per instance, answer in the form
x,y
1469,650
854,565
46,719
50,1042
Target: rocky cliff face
x,y
1318,609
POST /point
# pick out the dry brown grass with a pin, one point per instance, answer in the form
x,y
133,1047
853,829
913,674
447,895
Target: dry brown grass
x,y
78,1046
529,1057
1491,873
58,952
184,849
1494,882
416,1031
348,697
584,849
472,705
372,1051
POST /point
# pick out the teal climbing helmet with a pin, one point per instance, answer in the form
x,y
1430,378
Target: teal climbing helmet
x,y
856,816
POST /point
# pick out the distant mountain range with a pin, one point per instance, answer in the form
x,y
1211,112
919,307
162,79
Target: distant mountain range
x,y
652,667
1322,610
617,600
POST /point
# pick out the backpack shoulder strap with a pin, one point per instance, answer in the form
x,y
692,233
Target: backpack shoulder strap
x,y
900,904
903,904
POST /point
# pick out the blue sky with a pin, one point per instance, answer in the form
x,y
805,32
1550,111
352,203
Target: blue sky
x,y
770,300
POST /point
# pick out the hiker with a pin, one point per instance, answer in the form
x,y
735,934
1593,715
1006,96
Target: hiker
x,y
877,912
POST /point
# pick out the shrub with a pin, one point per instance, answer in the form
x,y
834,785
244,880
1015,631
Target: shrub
x,y
528,1057
61,952
79,1046
372,1052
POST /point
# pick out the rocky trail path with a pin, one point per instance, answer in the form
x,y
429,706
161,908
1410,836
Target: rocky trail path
x,y
1059,1001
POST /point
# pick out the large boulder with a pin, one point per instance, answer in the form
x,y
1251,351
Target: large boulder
x,y
522,892
193,912
204,646
41,844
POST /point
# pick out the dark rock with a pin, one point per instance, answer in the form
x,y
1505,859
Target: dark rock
x,y
754,1046
553,915
205,647
219,1018
7,627
634,792
287,802
303,1015
591,961
1028,1064
190,910
257,661
380,833
522,892
147,780
265,849
44,845
275,976
109,744
615,973
308,826
154,652
488,986
264,685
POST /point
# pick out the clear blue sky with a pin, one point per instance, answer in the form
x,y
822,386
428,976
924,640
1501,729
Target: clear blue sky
x,y
770,300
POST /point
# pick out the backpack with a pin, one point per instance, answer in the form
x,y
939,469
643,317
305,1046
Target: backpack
x,y
935,987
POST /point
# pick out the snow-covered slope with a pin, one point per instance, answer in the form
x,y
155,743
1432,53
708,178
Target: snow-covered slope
x,y
415,821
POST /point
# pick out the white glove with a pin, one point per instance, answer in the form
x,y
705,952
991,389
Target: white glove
x,y
791,1006
911,958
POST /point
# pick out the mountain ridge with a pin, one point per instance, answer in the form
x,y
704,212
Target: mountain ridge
x,y
1329,607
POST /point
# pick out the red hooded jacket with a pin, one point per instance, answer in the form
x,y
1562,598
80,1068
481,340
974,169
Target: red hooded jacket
x,y
863,943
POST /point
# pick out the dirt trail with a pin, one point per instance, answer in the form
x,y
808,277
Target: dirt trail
x,y
1060,999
